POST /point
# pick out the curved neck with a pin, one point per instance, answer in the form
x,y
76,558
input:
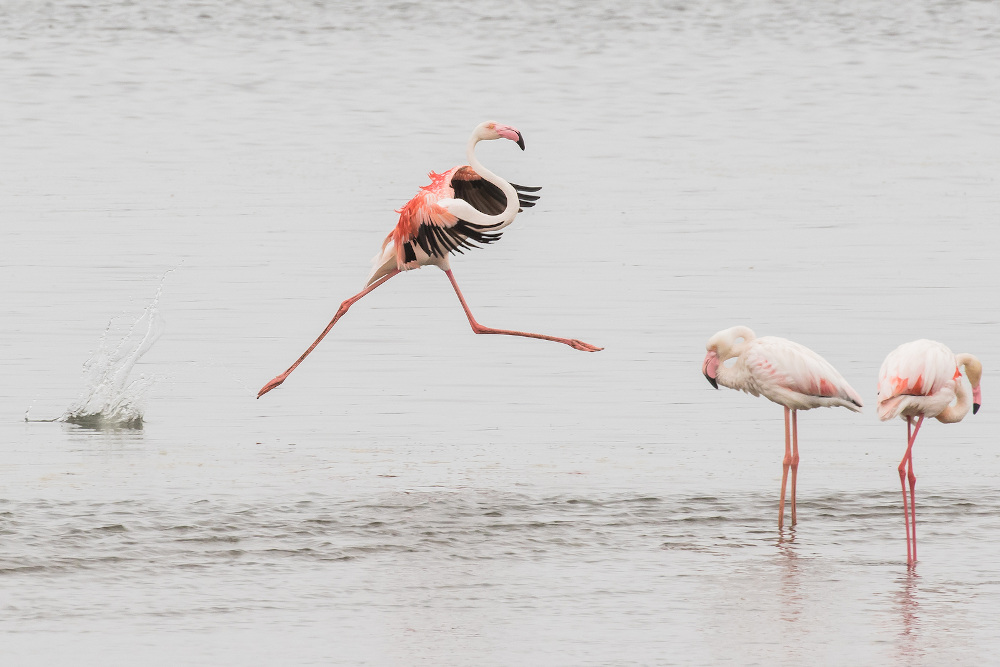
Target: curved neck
x,y
736,342
740,331
503,219
736,376
973,371
972,366
957,412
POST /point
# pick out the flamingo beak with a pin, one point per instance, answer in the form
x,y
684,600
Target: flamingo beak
x,y
710,368
977,399
512,133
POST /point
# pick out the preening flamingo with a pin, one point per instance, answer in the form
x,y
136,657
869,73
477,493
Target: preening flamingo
x,y
786,373
460,208
921,379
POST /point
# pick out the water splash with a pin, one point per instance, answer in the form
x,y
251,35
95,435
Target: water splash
x,y
112,399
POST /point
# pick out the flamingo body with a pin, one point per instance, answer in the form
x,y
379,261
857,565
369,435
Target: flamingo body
x,y
920,379
792,375
428,230
785,373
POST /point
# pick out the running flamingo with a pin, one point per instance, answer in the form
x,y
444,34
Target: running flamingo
x,y
786,373
460,208
921,379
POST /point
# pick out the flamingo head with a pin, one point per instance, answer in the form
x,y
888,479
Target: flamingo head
x,y
493,130
710,367
974,371
722,347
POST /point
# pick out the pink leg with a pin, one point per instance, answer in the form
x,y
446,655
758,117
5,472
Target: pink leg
x,y
340,313
910,515
785,462
913,483
480,329
795,457
902,482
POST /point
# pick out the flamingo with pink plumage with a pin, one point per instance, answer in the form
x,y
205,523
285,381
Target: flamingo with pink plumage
x,y
463,208
921,379
785,373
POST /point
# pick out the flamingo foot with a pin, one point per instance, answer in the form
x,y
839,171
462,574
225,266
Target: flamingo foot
x,y
272,384
583,347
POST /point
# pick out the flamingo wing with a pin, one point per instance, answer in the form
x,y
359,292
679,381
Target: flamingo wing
x,y
426,225
920,368
485,196
780,366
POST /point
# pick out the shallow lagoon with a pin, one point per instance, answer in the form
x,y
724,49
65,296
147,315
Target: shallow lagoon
x,y
415,494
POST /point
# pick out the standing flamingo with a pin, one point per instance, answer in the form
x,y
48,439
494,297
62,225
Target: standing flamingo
x,y
460,208
921,379
786,373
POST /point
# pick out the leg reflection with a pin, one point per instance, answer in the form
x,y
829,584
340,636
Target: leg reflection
x,y
909,608
790,587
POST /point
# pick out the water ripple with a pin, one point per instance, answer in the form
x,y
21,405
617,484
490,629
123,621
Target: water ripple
x,y
46,536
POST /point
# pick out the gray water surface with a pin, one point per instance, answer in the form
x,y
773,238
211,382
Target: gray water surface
x,y
415,494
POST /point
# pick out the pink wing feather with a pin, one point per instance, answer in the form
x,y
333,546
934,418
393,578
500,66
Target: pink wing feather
x,y
920,368
425,224
790,367
427,231
422,210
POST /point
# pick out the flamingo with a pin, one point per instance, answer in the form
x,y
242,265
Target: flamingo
x,y
786,373
921,379
463,207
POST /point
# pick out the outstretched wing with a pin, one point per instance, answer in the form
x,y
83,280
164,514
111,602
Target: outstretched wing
x,y
485,196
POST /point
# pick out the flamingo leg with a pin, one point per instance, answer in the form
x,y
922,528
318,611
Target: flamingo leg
x,y
795,457
786,463
913,483
480,329
902,482
340,313
906,473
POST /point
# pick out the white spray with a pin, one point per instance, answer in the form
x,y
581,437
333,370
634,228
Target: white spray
x,y
112,398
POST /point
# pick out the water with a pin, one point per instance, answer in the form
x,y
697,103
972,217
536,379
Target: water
x,y
416,494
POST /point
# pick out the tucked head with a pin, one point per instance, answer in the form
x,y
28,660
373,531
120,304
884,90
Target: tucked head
x,y
493,130
722,346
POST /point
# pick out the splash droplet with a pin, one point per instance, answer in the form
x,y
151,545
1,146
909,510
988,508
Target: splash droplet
x,y
112,398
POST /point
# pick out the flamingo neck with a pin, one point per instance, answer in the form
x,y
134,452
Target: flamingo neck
x,y
740,331
973,371
735,376
735,343
506,217
956,413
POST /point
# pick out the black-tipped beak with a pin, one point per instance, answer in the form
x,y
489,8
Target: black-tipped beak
x,y
712,382
520,141
975,408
